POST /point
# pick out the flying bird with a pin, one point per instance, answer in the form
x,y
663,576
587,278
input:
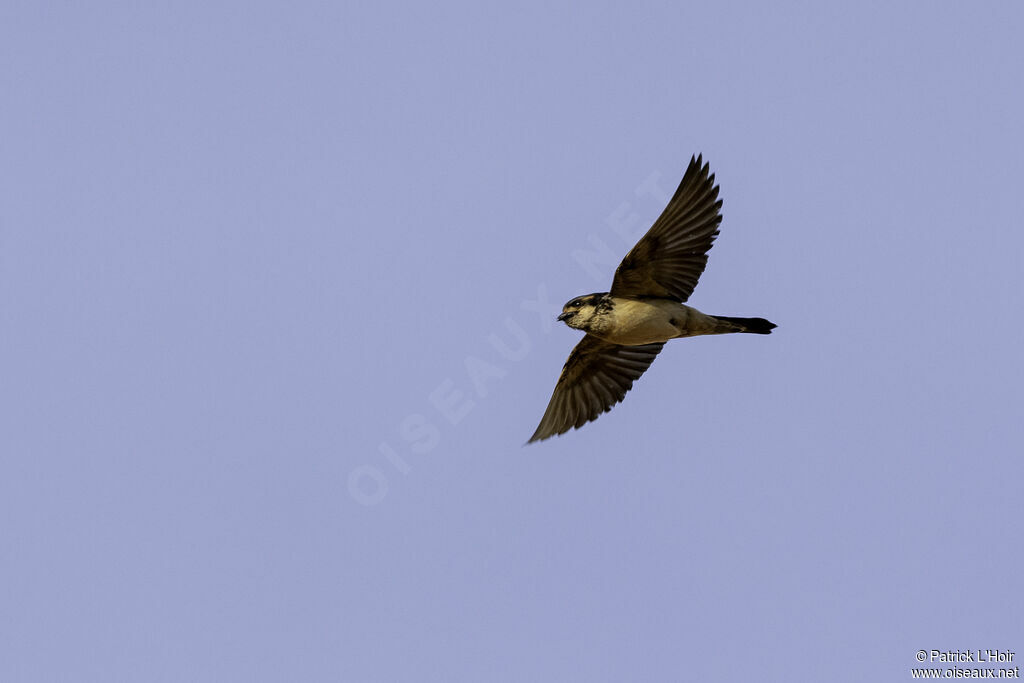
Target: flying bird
x,y
628,326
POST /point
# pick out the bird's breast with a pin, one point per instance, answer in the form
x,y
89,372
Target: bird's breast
x,y
642,321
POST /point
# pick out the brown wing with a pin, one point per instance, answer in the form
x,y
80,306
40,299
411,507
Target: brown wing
x,y
669,259
596,377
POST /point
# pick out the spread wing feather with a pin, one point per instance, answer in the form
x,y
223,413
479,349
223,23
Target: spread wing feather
x,y
669,259
596,377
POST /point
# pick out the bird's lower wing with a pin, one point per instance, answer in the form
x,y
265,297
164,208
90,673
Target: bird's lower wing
x,y
596,377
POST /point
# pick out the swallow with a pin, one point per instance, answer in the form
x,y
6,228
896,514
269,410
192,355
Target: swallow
x,y
627,327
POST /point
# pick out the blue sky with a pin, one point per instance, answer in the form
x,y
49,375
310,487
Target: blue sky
x,y
276,293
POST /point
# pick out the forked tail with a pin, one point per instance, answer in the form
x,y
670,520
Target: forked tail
x,y
751,325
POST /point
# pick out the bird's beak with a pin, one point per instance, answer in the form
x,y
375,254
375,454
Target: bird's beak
x,y
562,317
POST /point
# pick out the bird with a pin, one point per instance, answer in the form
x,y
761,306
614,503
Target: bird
x,y
627,327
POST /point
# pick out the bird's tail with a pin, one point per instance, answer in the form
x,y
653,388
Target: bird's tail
x,y
751,325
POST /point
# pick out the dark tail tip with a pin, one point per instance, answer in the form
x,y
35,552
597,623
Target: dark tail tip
x,y
751,325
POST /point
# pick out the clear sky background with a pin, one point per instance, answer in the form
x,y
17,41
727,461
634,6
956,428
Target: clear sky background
x,y
276,321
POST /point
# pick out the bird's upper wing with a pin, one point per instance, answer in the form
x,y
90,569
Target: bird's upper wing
x,y
597,376
669,259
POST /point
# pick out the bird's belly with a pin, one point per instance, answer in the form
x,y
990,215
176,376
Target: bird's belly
x,y
644,322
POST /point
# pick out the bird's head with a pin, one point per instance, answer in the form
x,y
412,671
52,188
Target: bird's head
x,y
582,310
